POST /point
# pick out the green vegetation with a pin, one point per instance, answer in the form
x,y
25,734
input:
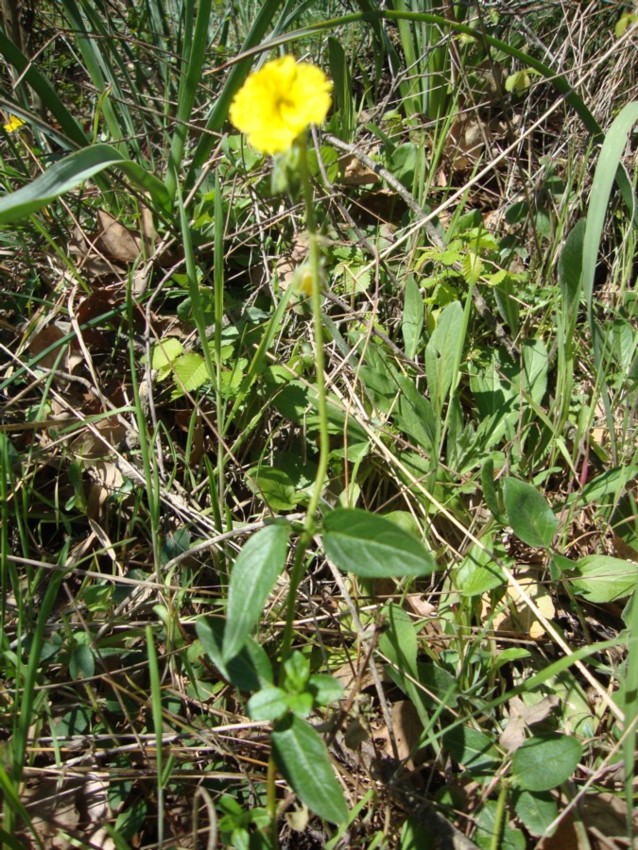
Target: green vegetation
x,y
319,510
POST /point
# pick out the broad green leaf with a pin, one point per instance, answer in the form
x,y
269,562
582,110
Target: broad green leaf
x,y
268,704
472,749
81,662
507,300
607,486
537,810
529,514
373,547
438,682
441,353
248,671
302,758
71,172
534,374
510,839
570,265
543,763
258,565
413,317
414,415
601,578
399,641
274,486
478,573
325,689
608,170
489,489
297,672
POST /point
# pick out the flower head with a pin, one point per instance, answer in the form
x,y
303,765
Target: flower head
x,y
14,123
278,102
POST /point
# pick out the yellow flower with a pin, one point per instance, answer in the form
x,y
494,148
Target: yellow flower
x,y
14,123
278,102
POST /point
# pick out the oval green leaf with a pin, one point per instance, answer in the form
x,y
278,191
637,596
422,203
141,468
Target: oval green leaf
x,y
302,758
543,763
537,811
528,513
373,547
601,578
253,576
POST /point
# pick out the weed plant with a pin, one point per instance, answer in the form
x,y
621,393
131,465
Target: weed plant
x,y
318,471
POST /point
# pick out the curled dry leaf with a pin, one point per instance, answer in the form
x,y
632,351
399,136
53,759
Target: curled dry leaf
x,y
354,173
45,338
115,241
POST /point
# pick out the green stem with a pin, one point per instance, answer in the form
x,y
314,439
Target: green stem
x,y
322,404
271,801
499,817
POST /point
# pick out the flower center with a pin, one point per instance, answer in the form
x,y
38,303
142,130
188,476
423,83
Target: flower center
x,y
282,106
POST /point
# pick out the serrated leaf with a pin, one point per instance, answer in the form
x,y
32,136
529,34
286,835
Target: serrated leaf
x,y
258,565
543,763
373,547
528,513
601,578
302,758
163,355
190,373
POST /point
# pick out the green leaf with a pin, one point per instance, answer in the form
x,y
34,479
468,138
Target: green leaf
x,y
249,671
472,749
536,810
274,486
570,265
441,353
439,682
258,565
302,758
325,689
268,704
543,763
413,317
528,513
164,354
510,839
601,578
191,373
81,662
535,365
372,547
478,573
71,172
297,672
489,489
